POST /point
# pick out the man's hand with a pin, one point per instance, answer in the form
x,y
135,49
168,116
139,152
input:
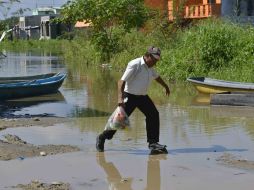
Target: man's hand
x,y
167,90
121,104
162,83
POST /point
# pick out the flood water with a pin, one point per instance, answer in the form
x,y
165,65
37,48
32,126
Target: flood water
x,y
195,132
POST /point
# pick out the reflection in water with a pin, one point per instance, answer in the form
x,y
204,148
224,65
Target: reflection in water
x,y
117,182
91,94
28,63
153,172
201,99
87,112
8,108
190,128
232,111
27,107
214,148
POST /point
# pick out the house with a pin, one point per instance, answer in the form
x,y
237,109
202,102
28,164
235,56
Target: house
x,y
158,4
46,11
82,24
199,9
28,27
40,25
48,29
194,9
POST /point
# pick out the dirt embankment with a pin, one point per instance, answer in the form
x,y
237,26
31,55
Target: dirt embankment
x,y
15,148
37,185
12,147
28,122
236,161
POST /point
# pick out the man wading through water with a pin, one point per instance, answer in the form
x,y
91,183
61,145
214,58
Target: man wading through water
x,y
132,93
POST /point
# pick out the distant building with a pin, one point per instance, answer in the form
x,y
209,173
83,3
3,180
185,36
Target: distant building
x,y
158,4
194,9
82,24
47,11
200,9
28,27
51,30
40,25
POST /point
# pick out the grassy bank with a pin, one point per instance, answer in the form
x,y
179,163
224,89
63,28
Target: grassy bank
x,y
212,48
33,45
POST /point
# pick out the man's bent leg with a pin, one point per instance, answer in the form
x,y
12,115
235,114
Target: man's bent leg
x,y
108,134
129,107
100,140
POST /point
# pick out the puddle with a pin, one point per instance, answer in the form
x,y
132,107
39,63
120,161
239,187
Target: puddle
x,y
196,135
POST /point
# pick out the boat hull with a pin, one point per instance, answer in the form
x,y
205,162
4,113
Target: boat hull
x,y
5,80
215,90
29,88
213,86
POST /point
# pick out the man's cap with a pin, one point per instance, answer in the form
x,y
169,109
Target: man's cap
x,y
155,52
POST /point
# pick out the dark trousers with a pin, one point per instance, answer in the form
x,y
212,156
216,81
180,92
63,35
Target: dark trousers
x,y
147,107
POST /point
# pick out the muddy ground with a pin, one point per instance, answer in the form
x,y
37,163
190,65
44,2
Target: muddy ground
x,y
37,185
28,122
12,147
15,148
236,161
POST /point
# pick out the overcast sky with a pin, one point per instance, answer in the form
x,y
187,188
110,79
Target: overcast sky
x,y
32,4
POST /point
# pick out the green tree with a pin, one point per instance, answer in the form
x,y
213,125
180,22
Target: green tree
x,y
5,8
8,24
109,19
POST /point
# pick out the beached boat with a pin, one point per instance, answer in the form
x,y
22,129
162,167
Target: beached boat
x,y
25,86
213,86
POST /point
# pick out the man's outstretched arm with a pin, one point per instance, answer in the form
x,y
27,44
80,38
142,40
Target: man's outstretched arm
x,y
162,83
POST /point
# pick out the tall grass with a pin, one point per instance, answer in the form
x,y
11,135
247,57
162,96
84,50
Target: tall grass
x,y
33,45
212,48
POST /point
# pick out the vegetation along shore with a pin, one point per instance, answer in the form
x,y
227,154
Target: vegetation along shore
x,y
214,47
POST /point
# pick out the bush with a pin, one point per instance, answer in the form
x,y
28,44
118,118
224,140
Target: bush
x,y
214,48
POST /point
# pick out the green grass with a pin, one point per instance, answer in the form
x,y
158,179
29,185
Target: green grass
x,y
212,48
25,45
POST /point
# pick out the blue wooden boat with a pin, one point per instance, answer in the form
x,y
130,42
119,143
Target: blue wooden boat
x,y
25,86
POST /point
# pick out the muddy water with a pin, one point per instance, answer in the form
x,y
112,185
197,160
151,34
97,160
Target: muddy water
x,y
196,133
